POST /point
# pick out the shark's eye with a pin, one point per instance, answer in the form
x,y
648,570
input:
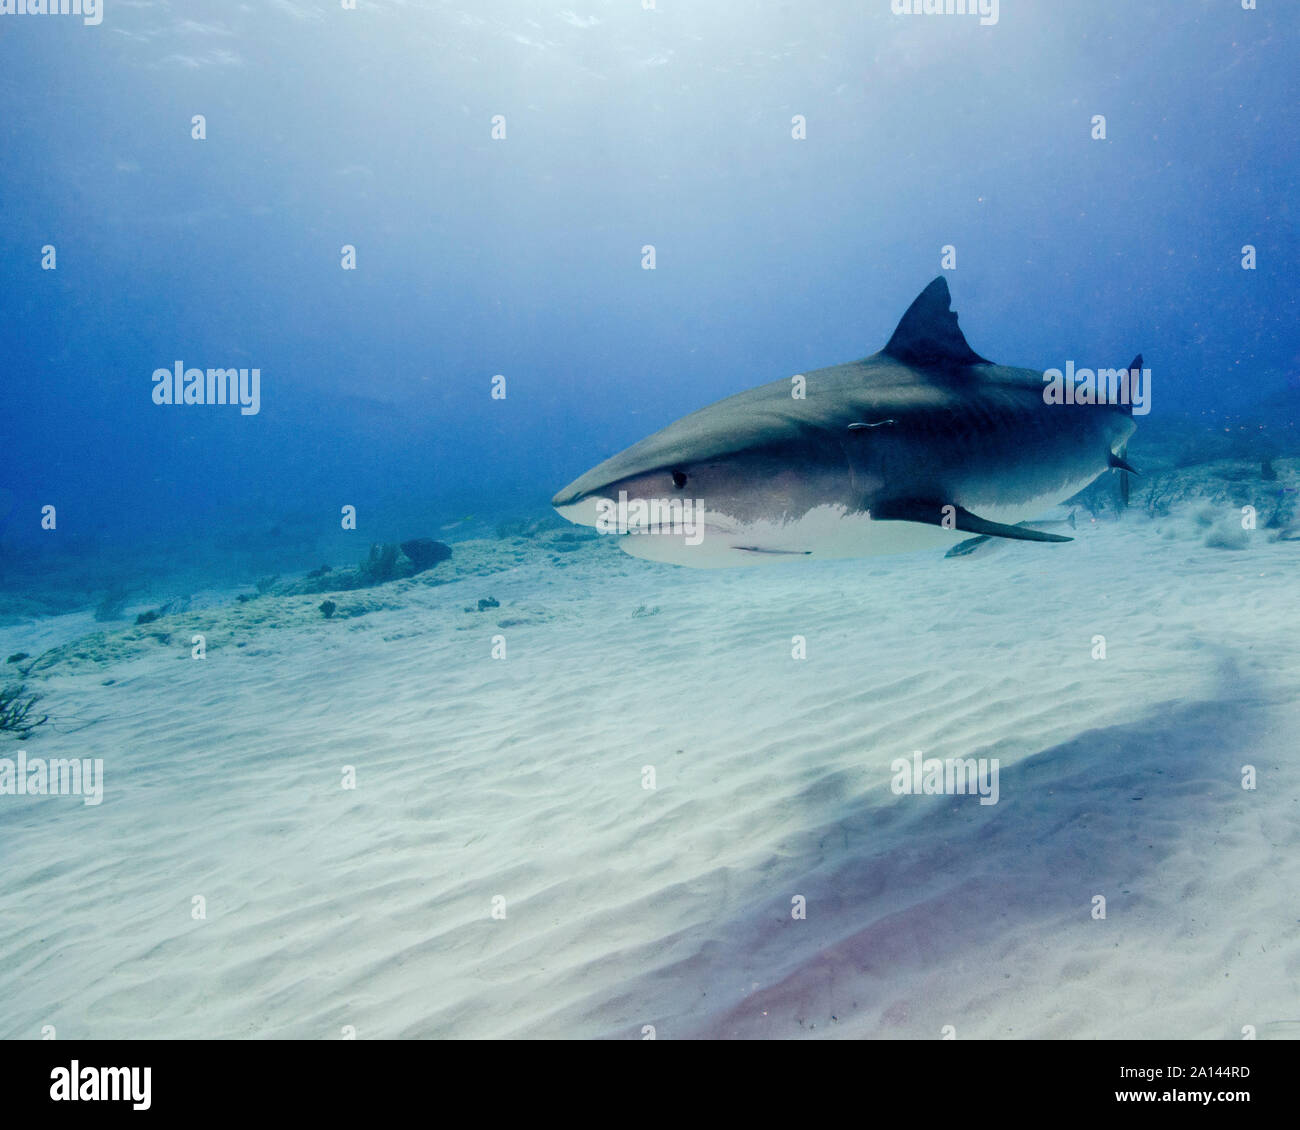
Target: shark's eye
x,y
679,480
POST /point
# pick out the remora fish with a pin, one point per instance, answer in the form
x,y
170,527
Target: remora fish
x,y
914,447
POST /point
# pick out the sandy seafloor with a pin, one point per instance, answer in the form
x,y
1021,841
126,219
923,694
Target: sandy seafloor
x,y
624,906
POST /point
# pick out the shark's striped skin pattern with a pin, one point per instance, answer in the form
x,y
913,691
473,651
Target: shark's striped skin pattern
x,y
919,445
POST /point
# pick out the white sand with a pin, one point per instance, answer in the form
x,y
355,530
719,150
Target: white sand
x,y
625,906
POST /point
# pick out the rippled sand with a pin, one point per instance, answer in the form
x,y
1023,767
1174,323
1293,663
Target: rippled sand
x,y
521,779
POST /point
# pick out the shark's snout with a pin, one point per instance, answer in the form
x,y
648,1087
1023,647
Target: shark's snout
x,y
593,484
566,497
579,501
579,506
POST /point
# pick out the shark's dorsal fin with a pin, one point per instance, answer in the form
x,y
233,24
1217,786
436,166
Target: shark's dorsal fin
x,y
928,333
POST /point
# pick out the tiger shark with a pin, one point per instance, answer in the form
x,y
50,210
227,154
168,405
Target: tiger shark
x,y
920,445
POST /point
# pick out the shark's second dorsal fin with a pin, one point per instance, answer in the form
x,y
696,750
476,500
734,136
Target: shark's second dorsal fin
x,y
928,333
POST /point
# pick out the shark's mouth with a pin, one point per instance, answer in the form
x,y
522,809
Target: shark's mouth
x,y
720,539
643,519
705,534
710,536
708,529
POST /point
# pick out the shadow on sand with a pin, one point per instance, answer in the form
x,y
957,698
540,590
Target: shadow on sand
x,y
913,893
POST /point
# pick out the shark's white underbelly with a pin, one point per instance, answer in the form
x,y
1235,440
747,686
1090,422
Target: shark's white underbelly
x,y
827,531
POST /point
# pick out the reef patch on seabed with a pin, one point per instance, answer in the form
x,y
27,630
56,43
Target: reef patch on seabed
x,y
243,619
1270,486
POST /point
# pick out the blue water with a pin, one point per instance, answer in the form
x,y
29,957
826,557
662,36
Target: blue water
x,y
155,593
523,256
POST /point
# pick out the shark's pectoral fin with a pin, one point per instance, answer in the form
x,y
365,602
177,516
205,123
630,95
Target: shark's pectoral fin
x,y
955,518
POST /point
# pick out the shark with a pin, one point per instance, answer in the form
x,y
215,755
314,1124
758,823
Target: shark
x,y
920,445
